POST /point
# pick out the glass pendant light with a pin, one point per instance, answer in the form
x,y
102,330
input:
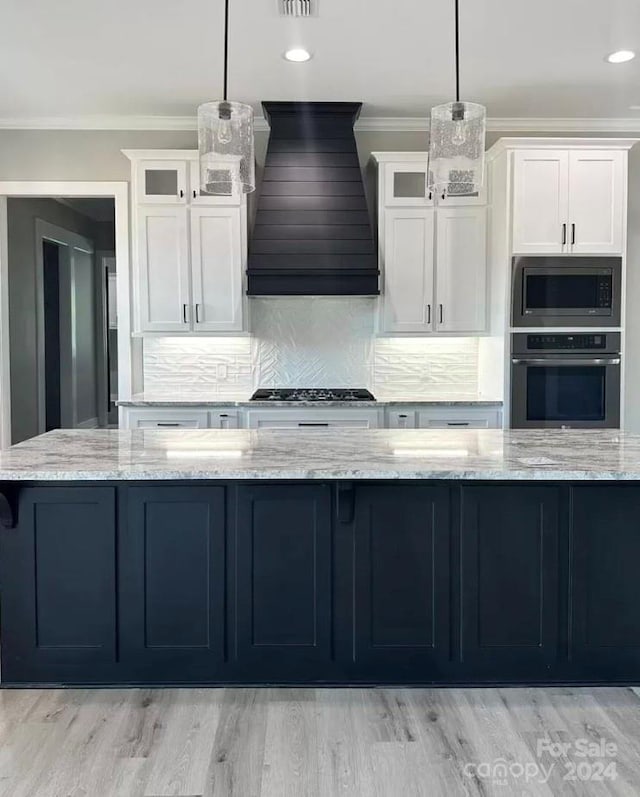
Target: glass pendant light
x,y
225,140
456,148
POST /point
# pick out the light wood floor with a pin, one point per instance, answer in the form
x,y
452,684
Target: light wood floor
x,y
298,742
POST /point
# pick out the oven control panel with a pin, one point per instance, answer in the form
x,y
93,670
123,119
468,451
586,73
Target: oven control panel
x,y
567,342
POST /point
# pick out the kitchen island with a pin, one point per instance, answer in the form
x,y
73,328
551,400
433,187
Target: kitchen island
x,y
320,557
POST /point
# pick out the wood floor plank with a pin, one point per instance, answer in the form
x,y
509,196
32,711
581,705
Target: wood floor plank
x,y
309,742
290,767
235,767
180,762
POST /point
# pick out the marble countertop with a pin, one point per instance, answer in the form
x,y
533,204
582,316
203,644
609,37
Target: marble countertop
x,y
149,400
484,454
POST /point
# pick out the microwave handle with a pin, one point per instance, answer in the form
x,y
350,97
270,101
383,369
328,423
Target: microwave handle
x,y
555,361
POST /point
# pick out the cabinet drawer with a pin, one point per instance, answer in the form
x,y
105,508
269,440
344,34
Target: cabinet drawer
x,y
443,423
301,419
459,418
167,419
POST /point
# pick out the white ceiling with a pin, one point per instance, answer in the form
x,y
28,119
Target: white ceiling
x,y
164,57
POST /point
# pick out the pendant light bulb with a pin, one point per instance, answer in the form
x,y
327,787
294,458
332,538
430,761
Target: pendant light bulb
x,y
459,134
225,130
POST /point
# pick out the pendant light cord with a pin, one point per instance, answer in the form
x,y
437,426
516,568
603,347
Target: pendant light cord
x,y
457,52
226,49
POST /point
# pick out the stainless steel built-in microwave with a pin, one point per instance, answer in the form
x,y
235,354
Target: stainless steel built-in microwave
x,y
566,292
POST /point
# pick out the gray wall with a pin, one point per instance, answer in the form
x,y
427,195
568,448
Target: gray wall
x,y
95,155
22,215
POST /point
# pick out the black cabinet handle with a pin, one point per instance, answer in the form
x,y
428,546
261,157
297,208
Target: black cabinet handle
x,y
197,313
573,234
167,423
184,313
181,194
441,313
195,194
564,234
428,314
457,423
309,423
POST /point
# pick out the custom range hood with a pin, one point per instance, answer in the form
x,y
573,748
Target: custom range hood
x,y
312,233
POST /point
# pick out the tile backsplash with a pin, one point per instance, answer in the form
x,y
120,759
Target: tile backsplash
x,y
312,342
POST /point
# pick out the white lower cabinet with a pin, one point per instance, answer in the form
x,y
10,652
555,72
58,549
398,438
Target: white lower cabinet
x,y
312,418
224,419
395,417
165,418
458,417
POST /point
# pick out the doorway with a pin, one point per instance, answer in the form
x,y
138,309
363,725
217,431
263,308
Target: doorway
x,y
67,278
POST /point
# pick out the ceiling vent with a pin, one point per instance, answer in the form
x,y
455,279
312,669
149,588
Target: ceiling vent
x,y
297,8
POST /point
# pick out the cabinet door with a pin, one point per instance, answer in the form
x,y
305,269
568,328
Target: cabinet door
x,y
224,419
461,270
510,597
605,596
401,580
164,301
163,182
406,185
217,269
172,582
408,270
283,581
596,202
540,201
58,586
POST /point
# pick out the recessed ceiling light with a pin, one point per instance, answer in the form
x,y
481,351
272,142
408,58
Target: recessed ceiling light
x,y
620,56
298,55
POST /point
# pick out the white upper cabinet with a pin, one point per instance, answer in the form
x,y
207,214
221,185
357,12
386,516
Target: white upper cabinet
x,y
461,272
433,253
217,268
408,270
189,249
569,201
162,274
596,201
540,201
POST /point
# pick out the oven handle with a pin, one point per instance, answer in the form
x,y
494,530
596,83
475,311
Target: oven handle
x,y
576,361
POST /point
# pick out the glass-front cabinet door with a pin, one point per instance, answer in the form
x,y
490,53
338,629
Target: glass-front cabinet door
x,y
406,185
163,182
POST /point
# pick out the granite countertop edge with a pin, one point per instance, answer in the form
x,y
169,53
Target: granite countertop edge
x,y
226,403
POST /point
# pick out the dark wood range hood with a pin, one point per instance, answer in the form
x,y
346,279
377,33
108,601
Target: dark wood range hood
x,y
312,233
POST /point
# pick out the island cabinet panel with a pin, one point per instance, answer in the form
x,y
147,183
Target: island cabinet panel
x,y
172,583
604,638
509,555
402,583
283,582
58,569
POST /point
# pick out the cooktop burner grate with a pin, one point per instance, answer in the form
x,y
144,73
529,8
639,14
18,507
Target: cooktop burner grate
x,y
313,394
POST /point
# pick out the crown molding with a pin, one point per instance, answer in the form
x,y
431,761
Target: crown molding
x,y
367,124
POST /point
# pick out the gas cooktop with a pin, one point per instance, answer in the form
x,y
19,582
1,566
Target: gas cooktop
x,y
313,394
